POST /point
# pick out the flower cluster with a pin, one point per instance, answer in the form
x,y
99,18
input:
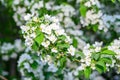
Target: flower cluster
x,y
115,47
51,40
8,50
92,16
47,33
32,63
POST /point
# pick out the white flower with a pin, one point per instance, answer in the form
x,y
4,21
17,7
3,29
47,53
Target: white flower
x,y
48,59
28,41
88,61
82,67
45,43
16,2
88,4
54,50
25,28
69,76
23,57
55,20
46,29
52,38
48,5
97,49
54,26
71,50
27,17
68,22
6,47
47,17
27,78
35,19
33,35
18,45
26,65
14,55
60,32
6,58
68,39
52,68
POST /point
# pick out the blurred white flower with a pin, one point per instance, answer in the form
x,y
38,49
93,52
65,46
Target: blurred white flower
x,y
71,50
54,50
45,43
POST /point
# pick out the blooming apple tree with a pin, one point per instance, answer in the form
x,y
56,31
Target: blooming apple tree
x,y
66,40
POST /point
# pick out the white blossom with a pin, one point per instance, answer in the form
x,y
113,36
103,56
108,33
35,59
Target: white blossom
x,y
71,50
45,43
54,50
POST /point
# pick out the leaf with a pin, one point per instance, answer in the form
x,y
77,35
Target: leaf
x,y
39,39
95,56
38,31
113,1
95,27
35,46
34,65
62,37
100,66
109,52
75,43
106,60
83,10
62,62
81,54
60,45
87,72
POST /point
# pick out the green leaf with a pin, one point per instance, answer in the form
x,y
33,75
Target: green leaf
x,y
34,65
62,37
39,39
109,52
95,27
81,54
75,43
62,62
113,1
100,66
87,72
106,60
83,10
63,45
38,31
95,56
35,46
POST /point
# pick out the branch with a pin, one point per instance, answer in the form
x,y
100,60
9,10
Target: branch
x,y
2,77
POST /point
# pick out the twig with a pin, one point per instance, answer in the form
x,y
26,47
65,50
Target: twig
x,y
2,77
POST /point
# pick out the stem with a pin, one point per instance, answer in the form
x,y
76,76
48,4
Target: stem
x,y
12,67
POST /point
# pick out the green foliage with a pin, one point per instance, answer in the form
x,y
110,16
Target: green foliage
x,y
35,46
100,66
108,52
83,10
34,65
106,60
95,56
61,45
75,42
63,62
87,72
113,1
39,38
